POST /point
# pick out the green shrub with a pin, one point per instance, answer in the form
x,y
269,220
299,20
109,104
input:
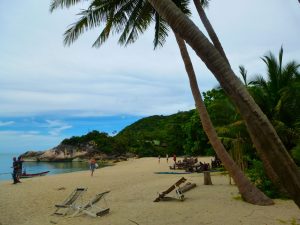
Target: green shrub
x,y
296,154
257,176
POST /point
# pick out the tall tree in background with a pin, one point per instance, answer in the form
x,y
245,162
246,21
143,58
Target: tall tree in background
x,y
138,18
281,84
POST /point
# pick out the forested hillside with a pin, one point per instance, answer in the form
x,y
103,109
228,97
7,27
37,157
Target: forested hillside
x,y
179,134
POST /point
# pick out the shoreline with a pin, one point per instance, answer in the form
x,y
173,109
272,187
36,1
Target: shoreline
x,y
56,171
133,187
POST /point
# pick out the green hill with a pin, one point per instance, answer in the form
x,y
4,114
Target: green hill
x,y
178,133
157,135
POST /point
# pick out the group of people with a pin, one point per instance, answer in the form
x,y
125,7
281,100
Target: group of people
x,y
167,158
17,169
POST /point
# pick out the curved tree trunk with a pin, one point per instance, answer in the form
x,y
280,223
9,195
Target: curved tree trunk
x,y
260,129
216,42
247,190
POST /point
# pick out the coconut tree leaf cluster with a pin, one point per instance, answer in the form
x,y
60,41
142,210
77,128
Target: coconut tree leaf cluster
x,y
128,19
279,90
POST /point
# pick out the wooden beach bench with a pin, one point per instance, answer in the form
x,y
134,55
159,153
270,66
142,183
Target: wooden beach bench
x,y
175,187
70,202
94,207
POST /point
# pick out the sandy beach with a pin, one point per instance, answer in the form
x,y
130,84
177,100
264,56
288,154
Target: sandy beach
x,y
133,186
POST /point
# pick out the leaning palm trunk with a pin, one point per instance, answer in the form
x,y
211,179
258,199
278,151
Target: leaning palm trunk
x,y
210,30
216,42
247,190
261,131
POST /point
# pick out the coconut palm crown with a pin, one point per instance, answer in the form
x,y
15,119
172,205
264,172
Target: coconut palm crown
x,y
280,87
129,18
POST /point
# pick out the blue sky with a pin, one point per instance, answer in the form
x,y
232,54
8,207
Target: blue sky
x,y
49,92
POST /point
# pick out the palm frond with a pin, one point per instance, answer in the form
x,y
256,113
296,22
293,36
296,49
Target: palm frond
x,y
141,23
260,81
104,35
289,73
280,59
273,70
63,4
243,72
183,5
161,31
90,19
204,3
138,21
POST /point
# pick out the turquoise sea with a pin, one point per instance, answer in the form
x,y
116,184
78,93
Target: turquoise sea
x,y
36,167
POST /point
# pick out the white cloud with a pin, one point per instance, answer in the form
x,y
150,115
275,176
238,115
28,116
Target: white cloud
x,y
7,123
56,127
58,130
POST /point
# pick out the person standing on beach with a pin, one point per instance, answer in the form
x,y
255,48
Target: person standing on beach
x,y
15,170
92,165
174,158
158,158
167,157
20,168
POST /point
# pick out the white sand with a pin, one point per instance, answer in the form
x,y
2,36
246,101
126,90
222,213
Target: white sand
x,y
133,187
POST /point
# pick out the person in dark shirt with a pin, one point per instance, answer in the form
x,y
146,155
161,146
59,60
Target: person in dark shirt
x,y
15,170
20,168
174,158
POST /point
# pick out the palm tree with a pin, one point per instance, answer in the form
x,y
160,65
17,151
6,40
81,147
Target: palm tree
x,y
138,20
248,191
282,83
278,97
261,131
200,5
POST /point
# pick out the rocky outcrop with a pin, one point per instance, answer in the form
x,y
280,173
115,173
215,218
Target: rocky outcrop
x,y
63,153
58,155
31,155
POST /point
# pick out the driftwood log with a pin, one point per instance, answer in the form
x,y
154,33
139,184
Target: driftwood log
x,y
207,178
187,187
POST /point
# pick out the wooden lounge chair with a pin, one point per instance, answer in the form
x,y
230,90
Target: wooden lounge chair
x,y
176,186
93,208
70,202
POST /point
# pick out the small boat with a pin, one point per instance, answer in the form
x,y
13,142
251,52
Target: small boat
x,y
30,175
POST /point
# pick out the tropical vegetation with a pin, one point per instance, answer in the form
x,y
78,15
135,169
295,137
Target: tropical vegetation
x,y
183,134
269,146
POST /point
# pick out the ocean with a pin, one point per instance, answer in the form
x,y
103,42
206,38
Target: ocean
x,y
36,167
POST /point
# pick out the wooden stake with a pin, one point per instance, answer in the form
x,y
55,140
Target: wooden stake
x,y
207,178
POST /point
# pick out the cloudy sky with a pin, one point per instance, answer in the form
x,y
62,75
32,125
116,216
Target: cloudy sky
x,y
49,92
